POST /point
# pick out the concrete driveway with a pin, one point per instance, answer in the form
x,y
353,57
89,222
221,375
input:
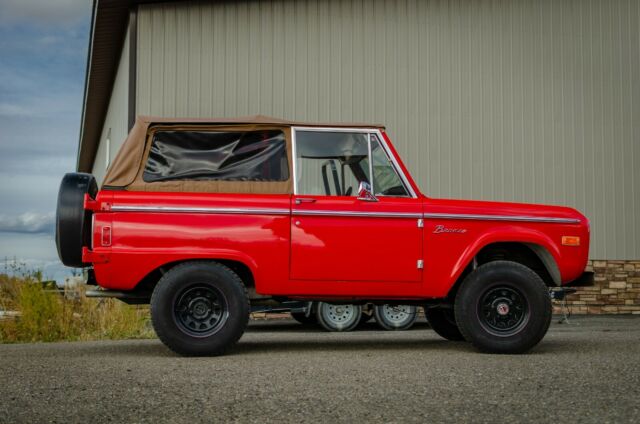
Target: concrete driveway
x,y
586,371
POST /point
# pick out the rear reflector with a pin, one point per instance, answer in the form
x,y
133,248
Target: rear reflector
x,y
106,235
570,241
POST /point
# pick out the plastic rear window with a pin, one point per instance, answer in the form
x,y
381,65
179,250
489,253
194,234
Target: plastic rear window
x,y
213,155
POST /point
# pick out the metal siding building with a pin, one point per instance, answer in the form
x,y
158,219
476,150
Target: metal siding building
x,y
526,101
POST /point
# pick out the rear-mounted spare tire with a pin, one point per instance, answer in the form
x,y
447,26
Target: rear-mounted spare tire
x,y
73,222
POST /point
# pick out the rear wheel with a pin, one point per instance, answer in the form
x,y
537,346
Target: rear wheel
x,y
395,317
338,317
199,308
503,307
443,322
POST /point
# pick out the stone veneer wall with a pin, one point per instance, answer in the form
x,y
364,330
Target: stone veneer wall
x,y
616,290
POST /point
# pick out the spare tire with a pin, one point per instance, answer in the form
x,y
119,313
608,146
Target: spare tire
x,y
73,222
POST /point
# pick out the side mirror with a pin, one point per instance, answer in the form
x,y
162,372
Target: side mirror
x,y
364,192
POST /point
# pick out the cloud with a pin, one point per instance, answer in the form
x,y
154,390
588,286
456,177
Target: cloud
x,y
8,109
28,222
39,13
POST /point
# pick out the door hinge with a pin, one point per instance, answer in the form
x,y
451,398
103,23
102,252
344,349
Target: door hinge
x,y
420,223
420,264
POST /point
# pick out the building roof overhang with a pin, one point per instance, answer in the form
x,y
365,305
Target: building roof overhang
x,y
108,29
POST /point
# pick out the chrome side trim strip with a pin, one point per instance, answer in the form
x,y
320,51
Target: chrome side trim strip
x,y
178,209
519,218
313,212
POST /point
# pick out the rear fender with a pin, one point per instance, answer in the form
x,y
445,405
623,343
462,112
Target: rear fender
x,y
125,270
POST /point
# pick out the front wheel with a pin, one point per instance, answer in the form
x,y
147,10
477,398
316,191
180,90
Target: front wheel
x,y
503,307
338,317
199,308
395,317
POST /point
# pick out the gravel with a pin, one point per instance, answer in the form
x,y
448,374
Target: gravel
x,y
584,371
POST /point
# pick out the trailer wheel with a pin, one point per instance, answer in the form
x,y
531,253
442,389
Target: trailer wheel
x,y
395,317
503,307
200,308
302,318
338,317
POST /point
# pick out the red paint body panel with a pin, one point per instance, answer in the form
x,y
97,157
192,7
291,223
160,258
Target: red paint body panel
x,y
359,248
291,252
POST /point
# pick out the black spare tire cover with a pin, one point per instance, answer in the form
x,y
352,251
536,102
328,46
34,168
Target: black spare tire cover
x,y
73,223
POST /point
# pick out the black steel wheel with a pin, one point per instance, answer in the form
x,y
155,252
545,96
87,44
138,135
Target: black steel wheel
x,y
199,308
503,307
503,310
443,322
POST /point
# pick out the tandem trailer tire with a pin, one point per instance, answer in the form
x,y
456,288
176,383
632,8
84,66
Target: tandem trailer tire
x,y
503,307
395,317
200,308
338,317
443,322
304,319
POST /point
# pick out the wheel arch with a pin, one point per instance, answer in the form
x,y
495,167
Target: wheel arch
x,y
244,268
537,255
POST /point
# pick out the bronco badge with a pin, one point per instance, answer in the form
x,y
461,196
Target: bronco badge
x,y
442,229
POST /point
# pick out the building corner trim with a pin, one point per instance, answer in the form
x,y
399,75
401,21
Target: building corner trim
x,y
133,65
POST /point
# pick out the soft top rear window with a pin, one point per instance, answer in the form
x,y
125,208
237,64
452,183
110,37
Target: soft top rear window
x,y
215,155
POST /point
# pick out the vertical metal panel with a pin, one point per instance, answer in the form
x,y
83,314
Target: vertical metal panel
x,y
530,100
116,123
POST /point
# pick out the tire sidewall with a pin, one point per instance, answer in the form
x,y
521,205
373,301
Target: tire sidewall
x,y
442,321
179,279
385,324
330,326
73,222
512,275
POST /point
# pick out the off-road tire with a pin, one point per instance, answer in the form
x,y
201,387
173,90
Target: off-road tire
x,y
73,222
486,322
212,279
443,322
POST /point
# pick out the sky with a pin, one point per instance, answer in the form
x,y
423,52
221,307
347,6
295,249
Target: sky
x,y
43,55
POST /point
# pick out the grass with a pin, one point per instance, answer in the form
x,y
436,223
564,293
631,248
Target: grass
x,y
45,314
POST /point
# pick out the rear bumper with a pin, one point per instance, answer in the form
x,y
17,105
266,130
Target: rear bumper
x,y
585,280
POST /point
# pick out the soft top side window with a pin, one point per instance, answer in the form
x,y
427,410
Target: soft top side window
x,y
216,155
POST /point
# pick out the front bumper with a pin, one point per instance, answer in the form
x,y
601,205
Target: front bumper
x,y
585,280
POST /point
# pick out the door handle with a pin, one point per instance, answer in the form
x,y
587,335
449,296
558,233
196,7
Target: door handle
x,y
304,200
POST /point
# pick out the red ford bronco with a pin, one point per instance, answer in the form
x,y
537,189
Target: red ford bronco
x,y
202,218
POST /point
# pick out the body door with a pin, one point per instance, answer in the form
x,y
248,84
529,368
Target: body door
x,y
340,233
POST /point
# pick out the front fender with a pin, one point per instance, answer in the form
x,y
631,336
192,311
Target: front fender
x,y
509,234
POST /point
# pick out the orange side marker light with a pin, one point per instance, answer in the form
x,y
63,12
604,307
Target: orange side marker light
x,y
570,241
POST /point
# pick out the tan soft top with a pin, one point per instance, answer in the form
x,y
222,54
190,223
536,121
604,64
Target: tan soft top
x,y
127,167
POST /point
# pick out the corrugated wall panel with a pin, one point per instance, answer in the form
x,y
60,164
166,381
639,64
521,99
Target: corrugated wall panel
x,y
115,126
531,101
